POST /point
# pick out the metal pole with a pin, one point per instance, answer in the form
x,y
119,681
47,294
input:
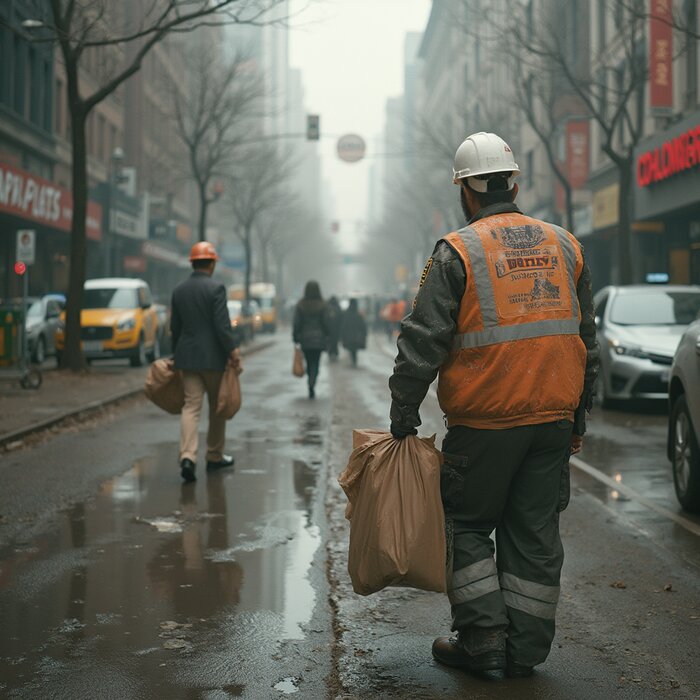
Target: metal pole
x,y
25,284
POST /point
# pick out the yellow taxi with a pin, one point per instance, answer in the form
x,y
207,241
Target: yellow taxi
x,y
118,319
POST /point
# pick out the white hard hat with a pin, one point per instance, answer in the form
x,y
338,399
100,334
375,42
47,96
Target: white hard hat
x,y
482,154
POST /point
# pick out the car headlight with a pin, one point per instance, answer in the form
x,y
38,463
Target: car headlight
x,y
628,350
127,324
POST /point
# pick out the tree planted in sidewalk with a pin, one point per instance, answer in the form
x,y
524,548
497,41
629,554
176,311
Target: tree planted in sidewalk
x,y
210,117
84,28
258,184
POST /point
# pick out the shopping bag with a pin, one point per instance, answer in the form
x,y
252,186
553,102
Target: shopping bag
x,y
229,400
397,524
164,386
298,364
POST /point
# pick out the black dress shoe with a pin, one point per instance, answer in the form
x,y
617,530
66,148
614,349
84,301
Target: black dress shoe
x,y
187,467
448,651
514,670
226,461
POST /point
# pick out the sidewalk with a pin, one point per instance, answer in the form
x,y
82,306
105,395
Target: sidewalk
x,y
63,392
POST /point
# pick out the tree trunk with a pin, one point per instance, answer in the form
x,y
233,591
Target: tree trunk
x,y
72,352
624,233
203,206
248,247
265,259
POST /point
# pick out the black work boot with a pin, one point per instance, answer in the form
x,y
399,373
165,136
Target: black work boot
x,y
450,652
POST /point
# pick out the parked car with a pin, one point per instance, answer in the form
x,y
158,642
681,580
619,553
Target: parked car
x,y
118,319
253,311
639,327
43,317
684,420
240,322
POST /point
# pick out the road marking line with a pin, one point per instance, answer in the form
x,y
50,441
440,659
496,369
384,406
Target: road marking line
x,y
635,495
608,481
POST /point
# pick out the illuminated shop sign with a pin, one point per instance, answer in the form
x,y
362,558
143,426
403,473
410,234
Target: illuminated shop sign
x,y
672,157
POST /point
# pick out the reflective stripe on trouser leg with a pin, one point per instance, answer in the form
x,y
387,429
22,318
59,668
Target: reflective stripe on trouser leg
x,y
536,599
531,611
473,581
473,590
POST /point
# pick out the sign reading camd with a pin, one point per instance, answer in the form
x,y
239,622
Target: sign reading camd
x,y
672,157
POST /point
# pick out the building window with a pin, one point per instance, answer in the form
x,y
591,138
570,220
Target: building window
x,y
530,176
602,38
602,87
101,143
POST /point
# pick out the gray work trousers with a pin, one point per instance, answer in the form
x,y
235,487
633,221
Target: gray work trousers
x,y
513,481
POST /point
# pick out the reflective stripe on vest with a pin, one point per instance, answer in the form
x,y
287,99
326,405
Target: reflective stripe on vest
x,y
493,332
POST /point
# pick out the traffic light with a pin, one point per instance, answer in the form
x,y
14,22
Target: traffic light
x,y
313,127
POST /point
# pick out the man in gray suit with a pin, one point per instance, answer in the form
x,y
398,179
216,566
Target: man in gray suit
x,y
203,343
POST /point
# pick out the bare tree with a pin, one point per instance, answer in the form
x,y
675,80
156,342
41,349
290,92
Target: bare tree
x,y
256,187
84,27
209,114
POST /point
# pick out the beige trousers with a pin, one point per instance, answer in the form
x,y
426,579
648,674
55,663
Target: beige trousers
x,y
196,385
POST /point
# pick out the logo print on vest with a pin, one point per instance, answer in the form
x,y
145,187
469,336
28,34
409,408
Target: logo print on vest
x,y
544,289
522,236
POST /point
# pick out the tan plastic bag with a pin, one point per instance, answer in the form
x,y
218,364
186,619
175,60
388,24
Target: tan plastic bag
x,y
229,399
164,386
298,364
397,524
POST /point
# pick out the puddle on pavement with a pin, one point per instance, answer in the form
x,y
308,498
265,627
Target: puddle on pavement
x,y
287,686
151,571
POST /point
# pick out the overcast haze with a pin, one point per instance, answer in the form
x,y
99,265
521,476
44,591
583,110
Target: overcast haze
x,y
351,56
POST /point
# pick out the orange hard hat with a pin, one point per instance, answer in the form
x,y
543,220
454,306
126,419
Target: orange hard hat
x,y
203,251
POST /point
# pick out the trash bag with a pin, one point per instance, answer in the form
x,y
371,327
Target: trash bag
x,y
229,400
298,364
397,524
164,386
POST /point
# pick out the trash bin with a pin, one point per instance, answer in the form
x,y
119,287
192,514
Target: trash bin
x,y
10,335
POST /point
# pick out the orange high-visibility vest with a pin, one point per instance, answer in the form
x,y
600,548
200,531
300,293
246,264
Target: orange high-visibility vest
x,y
517,358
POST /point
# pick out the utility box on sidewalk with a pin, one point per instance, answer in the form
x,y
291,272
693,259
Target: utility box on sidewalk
x,y
10,335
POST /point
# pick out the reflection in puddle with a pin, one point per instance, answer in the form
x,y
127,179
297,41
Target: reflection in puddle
x,y
227,558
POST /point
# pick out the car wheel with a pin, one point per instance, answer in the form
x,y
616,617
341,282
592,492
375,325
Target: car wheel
x,y
39,354
685,457
139,359
155,351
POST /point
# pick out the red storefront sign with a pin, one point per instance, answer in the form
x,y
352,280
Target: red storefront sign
x,y
671,158
577,153
35,199
661,54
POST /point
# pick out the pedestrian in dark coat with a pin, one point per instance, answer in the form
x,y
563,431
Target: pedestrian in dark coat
x,y
334,319
203,344
353,331
311,331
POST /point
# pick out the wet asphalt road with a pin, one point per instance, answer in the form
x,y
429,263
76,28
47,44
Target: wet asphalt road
x,y
118,582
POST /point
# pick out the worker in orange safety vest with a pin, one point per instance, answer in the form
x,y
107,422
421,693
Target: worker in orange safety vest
x,y
504,315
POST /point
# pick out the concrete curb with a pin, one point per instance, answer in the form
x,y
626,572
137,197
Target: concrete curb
x,y
95,406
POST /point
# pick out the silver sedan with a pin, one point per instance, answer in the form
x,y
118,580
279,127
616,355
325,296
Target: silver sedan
x,y
639,327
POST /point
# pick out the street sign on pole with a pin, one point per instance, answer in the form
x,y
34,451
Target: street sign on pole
x,y
25,246
351,148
